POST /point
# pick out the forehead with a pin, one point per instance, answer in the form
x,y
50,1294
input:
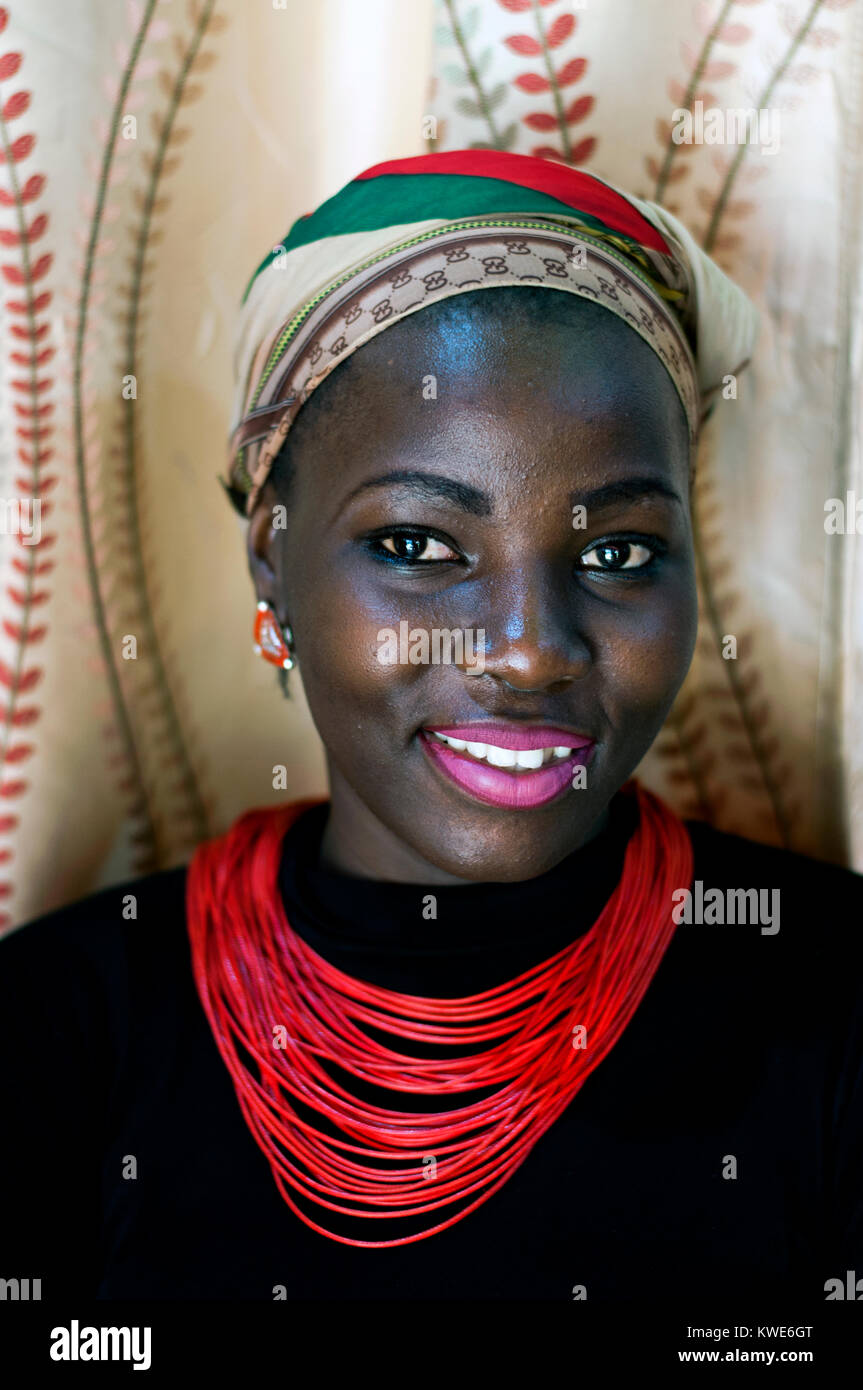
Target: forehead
x,y
506,381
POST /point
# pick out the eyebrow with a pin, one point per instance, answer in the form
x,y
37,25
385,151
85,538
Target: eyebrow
x,y
478,503
627,490
429,485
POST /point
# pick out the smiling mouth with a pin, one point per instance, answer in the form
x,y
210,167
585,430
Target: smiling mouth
x,y
505,767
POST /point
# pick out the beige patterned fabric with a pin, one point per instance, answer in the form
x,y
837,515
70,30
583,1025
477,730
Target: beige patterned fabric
x,y
149,148
456,262
118,317
765,742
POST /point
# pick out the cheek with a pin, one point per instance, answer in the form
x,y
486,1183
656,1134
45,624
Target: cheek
x,y
342,623
646,650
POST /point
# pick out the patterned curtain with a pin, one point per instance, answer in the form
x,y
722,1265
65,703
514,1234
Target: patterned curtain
x,y
765,738
150,153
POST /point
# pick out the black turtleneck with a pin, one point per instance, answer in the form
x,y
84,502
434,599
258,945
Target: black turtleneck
x,y
480,935
717,1150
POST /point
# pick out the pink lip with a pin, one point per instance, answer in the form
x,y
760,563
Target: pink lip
x,y
513,791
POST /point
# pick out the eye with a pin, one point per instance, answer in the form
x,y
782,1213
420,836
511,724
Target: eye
x,y
416,547
613,556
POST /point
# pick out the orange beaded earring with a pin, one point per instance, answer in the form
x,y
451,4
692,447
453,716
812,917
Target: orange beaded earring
x,y
273,642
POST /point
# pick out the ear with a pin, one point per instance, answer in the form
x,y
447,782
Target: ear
x,y
261,541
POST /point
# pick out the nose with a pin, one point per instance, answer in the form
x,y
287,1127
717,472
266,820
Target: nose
x,y
534,637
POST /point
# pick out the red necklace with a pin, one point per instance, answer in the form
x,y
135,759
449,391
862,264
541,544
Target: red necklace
x,y
255,975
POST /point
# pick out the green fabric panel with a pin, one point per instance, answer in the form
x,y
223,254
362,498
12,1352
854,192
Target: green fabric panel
x,y
368,204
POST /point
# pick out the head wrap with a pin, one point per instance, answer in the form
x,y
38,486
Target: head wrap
x,y
406,233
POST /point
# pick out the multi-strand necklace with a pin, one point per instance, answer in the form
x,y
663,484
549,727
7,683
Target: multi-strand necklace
x,y
281,1016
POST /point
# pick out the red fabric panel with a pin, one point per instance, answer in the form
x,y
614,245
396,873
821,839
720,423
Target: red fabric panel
x,y
571,186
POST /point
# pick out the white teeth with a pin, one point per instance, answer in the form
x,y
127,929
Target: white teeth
x,y
526,759
501,757
533,758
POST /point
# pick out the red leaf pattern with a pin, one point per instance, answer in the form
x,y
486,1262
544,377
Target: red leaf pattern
x,y
555,115
15,106
519,6
579,109
540,120
524,44
571,71
532,82
560,30
25,330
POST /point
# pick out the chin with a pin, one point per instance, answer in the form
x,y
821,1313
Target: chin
x,y
506,847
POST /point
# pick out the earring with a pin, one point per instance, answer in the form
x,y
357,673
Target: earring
x,y
273,642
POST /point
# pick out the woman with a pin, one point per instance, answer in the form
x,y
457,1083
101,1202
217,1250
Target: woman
x,y
491,1022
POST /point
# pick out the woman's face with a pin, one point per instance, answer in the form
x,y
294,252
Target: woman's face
x,y
435,477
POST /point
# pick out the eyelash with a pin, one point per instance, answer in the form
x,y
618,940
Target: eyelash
x,y
655,544
375,545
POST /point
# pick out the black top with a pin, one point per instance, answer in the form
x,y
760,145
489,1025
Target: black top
x,y
717,1150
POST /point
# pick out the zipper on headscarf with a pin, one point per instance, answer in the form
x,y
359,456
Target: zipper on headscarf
x,y
290,328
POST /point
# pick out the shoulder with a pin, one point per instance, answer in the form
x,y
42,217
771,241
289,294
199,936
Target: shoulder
x,y
791,924
719,847
80,983
812,891
94,938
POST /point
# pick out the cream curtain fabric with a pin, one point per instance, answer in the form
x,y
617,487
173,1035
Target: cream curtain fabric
x,y
765,738
153,150
246,115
